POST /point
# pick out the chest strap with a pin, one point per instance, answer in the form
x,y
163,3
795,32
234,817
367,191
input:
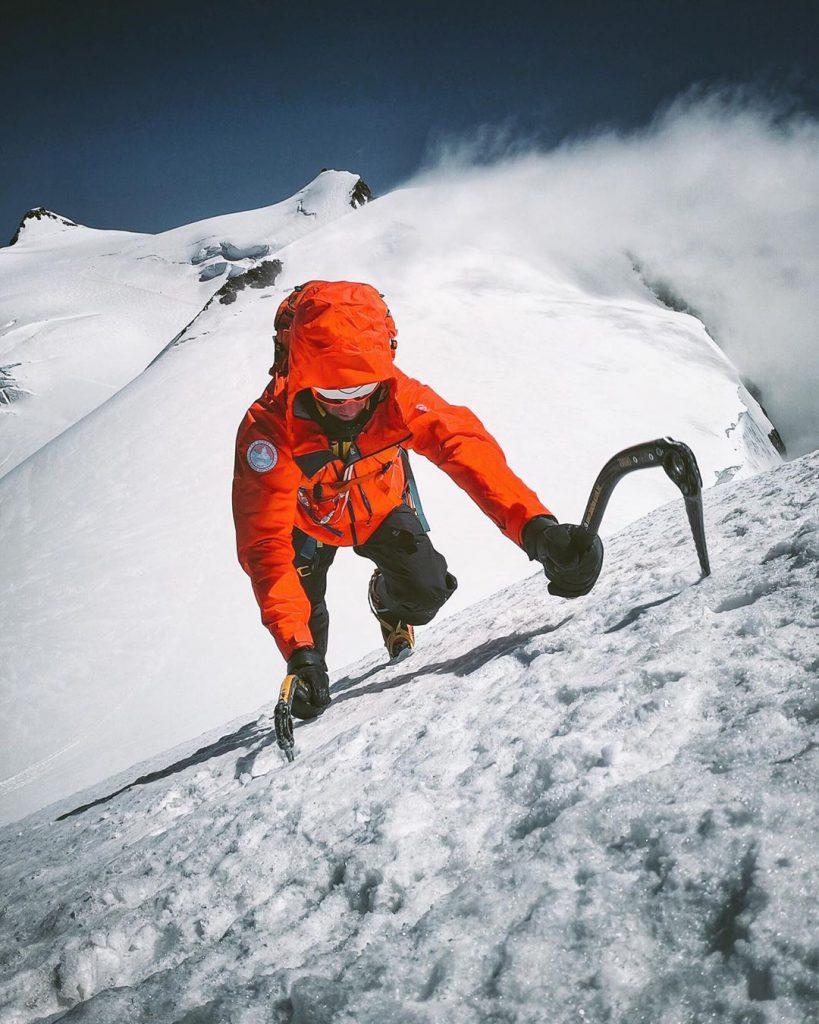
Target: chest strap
x,y
336,487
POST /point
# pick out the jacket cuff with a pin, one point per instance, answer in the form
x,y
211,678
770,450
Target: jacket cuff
x,y
530,533
302,638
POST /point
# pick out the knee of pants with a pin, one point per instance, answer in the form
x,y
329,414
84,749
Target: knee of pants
x,y
422,606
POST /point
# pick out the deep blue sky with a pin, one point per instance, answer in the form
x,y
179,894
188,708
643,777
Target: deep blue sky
x,y
150,114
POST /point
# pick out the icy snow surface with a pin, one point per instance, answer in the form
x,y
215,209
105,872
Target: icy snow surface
x,y
602,810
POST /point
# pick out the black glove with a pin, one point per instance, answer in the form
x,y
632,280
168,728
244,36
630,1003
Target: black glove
x,y
308,664
569,561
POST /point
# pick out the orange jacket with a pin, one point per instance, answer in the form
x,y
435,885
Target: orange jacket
x,y
287,472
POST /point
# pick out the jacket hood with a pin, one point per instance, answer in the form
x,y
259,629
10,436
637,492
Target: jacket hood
x,y
342,335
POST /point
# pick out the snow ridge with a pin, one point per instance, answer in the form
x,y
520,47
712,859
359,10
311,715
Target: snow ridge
x,y
601,810
84,311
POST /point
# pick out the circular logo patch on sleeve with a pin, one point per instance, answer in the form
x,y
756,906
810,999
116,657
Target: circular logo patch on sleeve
x,y
262,456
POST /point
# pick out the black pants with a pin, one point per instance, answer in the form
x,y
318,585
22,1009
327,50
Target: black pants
x,y
415,579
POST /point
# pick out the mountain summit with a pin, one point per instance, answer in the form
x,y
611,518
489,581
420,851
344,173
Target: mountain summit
x,y
35,220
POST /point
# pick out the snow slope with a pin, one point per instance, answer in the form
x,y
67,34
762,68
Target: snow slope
x,y
129,625
83,311
602,810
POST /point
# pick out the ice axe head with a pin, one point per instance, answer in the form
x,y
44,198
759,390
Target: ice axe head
x,y
681,468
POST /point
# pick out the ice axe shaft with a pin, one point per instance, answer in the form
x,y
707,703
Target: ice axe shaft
x,y
680,466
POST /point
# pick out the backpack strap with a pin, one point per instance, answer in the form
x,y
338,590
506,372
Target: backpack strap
x,y
282,323
411,495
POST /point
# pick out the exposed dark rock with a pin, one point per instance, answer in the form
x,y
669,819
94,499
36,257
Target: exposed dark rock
x,y
41,213
264,275
261,276
361,194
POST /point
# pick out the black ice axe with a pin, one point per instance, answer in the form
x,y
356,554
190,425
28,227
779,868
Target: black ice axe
x,y
680,466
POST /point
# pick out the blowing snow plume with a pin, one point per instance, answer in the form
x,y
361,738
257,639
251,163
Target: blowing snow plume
x,y
713,207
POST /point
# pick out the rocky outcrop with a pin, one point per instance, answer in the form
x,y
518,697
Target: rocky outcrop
x,y
40,213
361,194
262,276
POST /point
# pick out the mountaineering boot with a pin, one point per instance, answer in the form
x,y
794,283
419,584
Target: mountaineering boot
x,y
399,637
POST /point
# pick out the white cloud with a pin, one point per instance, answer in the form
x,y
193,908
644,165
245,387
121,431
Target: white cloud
x,y
717,200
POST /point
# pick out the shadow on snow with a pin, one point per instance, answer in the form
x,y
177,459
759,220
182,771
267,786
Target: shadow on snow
x,y
254,733
257,735
461,665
